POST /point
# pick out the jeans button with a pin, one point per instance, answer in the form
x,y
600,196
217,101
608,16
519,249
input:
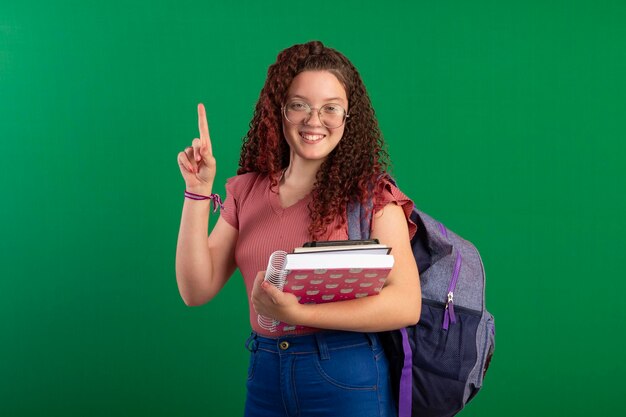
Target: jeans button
x,y
284,345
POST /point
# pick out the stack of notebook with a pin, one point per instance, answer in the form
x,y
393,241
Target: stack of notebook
x,y
322,272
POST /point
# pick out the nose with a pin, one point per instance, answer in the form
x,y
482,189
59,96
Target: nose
x,y
313,119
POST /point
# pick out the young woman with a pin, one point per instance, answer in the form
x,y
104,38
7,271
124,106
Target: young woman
x,y
313,146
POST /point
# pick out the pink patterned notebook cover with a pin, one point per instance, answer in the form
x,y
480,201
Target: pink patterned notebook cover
x,y
328,285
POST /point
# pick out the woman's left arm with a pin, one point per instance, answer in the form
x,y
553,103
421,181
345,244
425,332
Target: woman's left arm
x,y
397,305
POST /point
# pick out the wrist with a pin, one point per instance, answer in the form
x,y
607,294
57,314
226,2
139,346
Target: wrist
x,y
200,189
214,198
301,314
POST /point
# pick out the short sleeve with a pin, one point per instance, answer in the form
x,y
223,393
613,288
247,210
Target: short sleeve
x,y
238,191
229,212
388,193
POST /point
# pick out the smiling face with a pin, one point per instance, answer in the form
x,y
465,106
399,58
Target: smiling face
x,y
310,140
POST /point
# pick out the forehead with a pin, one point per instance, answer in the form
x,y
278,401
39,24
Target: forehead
x,y
317,86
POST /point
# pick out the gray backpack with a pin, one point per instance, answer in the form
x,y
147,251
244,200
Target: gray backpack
x,y
438,365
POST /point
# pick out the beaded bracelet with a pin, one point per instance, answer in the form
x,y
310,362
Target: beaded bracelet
x,y
215,198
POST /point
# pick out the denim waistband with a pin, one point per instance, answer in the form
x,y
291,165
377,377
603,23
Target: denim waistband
x,y
320,342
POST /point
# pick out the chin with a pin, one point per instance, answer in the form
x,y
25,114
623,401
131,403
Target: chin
x,y
315,155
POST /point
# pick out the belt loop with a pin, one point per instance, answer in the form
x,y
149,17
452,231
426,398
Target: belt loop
x,y
373,338
322,346
251,344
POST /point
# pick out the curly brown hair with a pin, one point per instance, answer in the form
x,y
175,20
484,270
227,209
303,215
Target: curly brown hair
x,y
350,170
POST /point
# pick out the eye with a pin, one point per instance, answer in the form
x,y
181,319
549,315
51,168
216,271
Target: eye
x,y
297,106
333,109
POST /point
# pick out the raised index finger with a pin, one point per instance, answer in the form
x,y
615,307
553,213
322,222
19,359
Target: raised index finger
x,y
203,126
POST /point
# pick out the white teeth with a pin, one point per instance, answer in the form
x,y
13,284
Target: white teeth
x,y
311,137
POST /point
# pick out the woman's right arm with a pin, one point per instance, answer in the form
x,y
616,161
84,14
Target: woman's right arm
x,y
202,265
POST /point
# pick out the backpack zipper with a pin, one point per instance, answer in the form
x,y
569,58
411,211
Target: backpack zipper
x,y
443,230
448,316
457,309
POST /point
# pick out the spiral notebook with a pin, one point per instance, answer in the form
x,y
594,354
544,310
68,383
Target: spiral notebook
x,y
323,277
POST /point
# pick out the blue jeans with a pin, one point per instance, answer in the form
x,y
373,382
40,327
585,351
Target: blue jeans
x,y
331,373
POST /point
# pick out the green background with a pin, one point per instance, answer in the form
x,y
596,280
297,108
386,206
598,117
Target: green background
x,y
504,120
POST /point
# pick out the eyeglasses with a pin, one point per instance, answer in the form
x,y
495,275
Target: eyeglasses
x,y
331,115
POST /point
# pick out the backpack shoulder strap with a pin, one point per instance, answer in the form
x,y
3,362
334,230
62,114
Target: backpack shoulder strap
x,y
360,217
358,221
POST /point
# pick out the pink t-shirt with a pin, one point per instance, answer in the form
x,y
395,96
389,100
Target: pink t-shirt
x,y
265,226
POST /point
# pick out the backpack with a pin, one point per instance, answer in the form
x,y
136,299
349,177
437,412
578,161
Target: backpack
x,y
438,365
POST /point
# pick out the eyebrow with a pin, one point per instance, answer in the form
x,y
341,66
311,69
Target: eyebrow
x,y
326,99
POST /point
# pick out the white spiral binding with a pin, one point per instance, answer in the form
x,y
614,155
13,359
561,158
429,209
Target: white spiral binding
x,y
275,275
